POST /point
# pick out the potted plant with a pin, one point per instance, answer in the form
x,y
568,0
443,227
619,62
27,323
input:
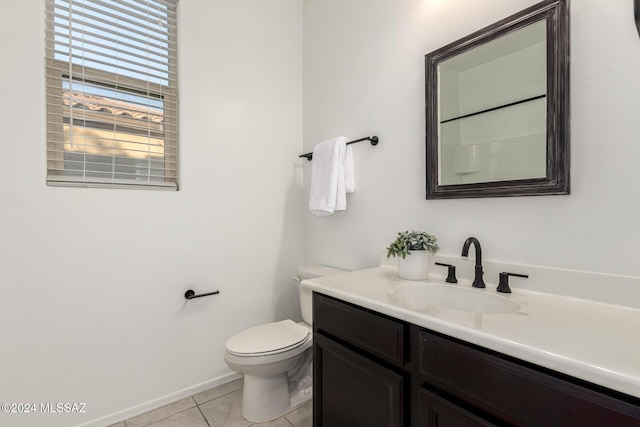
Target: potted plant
x,y
422,244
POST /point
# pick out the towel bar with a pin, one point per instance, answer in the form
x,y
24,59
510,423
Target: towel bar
x,y
373,139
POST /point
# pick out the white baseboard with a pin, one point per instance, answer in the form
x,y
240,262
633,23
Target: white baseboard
x,y
161,401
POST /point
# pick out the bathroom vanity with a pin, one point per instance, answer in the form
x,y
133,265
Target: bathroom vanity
x,y
379,361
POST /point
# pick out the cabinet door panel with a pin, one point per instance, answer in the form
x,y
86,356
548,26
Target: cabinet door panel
x,y
353,391
435,411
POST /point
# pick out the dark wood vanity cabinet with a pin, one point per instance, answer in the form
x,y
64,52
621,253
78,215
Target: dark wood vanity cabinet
x,y
373,370
356,391
500,390
359,371
436,411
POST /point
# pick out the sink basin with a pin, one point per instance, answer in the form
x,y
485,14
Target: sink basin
x,y
419,296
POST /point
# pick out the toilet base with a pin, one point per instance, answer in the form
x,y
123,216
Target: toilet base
x,y
265,399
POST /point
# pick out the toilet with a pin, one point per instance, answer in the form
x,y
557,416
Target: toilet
x,y
276,359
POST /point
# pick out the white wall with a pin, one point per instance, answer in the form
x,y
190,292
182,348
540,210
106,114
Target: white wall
x,y
92,280
364,74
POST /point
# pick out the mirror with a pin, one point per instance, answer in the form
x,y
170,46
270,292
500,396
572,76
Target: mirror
x,y
498,108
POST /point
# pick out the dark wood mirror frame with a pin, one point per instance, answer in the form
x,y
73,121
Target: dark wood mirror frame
x,y
556,15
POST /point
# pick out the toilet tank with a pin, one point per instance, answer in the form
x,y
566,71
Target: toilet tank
x,y
311,272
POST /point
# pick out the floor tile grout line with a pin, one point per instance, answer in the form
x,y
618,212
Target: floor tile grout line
x,y
203,416
164,418
217,397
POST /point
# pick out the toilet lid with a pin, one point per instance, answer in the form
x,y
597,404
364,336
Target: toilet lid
x,y
268,338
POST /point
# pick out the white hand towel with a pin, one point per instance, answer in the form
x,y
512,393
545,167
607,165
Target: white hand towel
x,y
349,173
330,179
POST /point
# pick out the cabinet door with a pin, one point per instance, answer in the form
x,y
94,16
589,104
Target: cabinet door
x,y
435,411
350,390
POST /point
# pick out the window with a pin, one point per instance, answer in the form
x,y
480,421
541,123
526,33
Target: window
x,y
112,97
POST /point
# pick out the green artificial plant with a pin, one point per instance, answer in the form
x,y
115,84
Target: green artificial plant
x,y
412,241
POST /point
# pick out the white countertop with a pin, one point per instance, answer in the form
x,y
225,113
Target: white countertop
x,y
592,341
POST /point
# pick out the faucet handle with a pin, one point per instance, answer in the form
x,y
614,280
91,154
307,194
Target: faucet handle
x,y
503,284
451,272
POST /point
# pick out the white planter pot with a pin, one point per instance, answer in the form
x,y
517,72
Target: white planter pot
x,y
415,266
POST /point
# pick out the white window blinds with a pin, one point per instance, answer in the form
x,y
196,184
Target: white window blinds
x,y
112,97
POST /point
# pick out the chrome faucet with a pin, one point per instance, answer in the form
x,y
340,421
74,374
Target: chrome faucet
x,y
478,282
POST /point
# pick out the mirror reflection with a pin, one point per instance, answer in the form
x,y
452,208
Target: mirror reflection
x,y
493,110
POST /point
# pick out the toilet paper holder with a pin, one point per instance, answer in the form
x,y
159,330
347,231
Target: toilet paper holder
x,y
190,294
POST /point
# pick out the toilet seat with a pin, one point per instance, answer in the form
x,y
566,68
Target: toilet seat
x,y
268,339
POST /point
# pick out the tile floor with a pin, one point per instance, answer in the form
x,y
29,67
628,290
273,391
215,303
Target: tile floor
x,y
218,407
